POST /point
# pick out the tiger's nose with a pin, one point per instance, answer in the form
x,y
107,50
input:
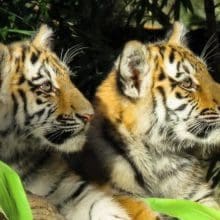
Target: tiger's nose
x,y
85,117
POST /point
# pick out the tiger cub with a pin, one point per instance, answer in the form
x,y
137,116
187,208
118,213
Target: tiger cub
x,y
43,115
156,104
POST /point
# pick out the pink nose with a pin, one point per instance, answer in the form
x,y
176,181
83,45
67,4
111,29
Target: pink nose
x,y
86,117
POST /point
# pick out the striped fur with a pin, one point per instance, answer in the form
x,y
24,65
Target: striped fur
x,y
155,107
43,115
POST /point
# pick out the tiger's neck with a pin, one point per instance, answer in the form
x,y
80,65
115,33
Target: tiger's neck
x,y
14,140
124,140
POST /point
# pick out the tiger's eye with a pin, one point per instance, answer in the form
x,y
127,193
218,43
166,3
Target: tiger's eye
x,y
46,86
186,84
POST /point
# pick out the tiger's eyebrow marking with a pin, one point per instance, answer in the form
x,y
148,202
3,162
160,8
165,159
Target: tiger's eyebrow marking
x,y
161,75
47,72
178,65
161,51
179,74
34,57
186,69
172,56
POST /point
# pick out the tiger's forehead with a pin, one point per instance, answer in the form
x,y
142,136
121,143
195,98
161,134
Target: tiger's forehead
x,y
177,59
23,50
36,64
28,55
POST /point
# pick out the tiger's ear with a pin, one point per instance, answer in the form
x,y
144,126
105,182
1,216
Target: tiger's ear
x,y
132,69
177,34
43,37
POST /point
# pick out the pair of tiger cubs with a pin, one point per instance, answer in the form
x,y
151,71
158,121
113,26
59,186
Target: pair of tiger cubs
x,y
157,103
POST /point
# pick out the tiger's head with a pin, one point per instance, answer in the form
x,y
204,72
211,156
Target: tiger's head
x,y
37,96
162,92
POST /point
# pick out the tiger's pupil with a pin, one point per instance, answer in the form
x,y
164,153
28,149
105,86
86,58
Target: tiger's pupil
x,y
46,86
187,83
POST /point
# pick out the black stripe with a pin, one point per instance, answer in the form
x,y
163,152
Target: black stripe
x,y
173,83
74,195
178,66
178,95
39,75
171,56
23,53
162,93
50,111
212,165
48,73
216,180
161,130
24,99
34,57
161,75
40,112
15,104
186,69
213,172
161,51
39,101
209,194
181,107
33,87
151,127
21,79
178,74
58,183
192,193
190,112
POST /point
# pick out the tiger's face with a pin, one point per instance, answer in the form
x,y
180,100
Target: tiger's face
x,y
184,95
163,93
38,96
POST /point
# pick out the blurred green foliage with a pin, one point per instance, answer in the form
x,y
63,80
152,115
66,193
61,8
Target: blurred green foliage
x,y
97,28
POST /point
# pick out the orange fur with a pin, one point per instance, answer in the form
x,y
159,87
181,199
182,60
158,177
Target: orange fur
x,y
137,209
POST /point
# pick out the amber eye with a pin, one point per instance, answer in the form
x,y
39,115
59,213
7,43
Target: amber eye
x,y
46,86
187,84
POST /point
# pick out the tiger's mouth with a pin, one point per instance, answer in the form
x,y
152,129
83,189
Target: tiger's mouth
x,y
58,137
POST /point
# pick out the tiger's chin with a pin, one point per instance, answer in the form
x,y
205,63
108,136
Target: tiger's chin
x,y
72,144
67,141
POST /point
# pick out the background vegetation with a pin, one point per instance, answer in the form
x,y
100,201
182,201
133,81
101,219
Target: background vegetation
x,y
93,31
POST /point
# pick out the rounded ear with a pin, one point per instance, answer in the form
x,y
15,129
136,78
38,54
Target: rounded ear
x,y
43,37
177,34
132,69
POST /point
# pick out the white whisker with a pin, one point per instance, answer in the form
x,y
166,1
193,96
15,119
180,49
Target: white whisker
x,y
72,52
208,44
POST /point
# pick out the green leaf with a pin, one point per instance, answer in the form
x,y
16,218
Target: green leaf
x,y
13,199
3,215
187,4
24,32
183,209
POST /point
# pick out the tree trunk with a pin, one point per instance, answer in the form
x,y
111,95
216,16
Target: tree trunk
x,y
212,58
209,6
